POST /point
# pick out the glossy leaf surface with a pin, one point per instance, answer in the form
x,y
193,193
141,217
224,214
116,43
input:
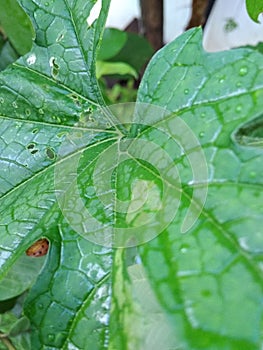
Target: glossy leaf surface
x,y
210,279
200,290
254,8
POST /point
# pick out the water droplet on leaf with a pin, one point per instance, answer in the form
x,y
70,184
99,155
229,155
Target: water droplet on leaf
x,y
184,248
238,108
51,337
243,71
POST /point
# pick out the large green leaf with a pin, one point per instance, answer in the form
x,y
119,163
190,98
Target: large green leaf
x,y
200,290
51,87
209,280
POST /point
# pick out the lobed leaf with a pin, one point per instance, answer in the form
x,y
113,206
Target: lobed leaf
x,y
200,290
209,281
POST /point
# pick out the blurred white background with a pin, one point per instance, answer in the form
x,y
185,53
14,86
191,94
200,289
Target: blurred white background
x,y
228,25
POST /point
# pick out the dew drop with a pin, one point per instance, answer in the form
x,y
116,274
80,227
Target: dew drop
x,y
238,108
28,112
14,104
221,80
184,248
40,306
186,91
2,100
252,174
243,71
34,131
238,84
51,337
203,115
201,134
40,111
46,3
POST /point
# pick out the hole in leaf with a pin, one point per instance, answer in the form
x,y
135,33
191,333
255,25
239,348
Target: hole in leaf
x,y
34,151
94,13
50,153
251,133
54,66
30,146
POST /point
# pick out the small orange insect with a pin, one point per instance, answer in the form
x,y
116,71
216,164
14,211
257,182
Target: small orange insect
x,y
39,248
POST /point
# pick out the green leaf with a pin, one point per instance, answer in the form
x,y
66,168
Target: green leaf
x,y
16,25
113,41
135,44
7,55
254,8
20,277
114,68
203,289
209,281
73,291
44,96
14,329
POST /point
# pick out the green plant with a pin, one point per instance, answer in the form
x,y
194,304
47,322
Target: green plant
x,y
117,61
16,32
198,290
254,8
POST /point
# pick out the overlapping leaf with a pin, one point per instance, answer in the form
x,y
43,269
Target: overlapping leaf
x,y
210,279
